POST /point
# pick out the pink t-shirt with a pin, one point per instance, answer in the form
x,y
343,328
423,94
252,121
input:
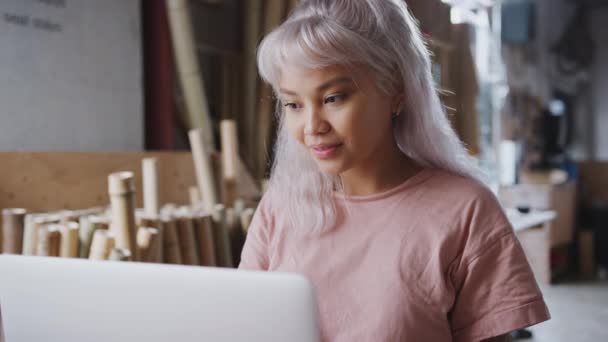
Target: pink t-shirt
x,y
433,259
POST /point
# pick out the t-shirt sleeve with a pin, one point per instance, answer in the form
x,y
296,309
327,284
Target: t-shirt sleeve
x,y
255,251
496,289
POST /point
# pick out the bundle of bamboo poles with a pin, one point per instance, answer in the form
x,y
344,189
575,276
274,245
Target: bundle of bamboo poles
x,y
210,231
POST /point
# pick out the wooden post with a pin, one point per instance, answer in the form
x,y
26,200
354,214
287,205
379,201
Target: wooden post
x,y
204,170
11,235
121,189
150,186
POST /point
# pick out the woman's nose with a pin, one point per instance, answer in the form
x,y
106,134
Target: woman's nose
x,y
315,123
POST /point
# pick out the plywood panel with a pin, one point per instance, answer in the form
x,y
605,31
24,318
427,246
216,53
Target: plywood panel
x,y
44,181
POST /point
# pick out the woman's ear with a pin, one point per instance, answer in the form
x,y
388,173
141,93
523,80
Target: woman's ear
x,y
397,104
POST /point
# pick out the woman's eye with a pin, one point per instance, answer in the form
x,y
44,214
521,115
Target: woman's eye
x,y
291,105
335,98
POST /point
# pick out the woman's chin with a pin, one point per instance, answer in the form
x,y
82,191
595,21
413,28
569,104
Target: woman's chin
x,y
330,168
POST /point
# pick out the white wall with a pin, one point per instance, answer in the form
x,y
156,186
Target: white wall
x,y
70,75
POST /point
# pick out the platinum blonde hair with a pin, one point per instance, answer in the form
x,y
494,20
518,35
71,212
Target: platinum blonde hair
x,y
382,36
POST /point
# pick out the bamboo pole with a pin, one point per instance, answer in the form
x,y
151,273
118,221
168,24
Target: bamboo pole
x,y
185,233
171,248
195,196
230,157
204,240
121,189
251,34
273,15
204,170
13,222
150,186
221,239
188,70
69,240
103,243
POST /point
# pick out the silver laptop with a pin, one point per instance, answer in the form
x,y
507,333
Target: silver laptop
x,y
55,299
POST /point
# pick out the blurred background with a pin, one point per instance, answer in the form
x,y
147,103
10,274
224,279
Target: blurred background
x,y
89,88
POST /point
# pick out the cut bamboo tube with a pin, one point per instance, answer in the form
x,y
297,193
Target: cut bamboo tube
x,y
204,170
195,196
30,235
171,248
230,158
187,242
221,239
121,189
68,216
187,66
246,217
88,226
204,240
103,243
153,222
13,223
119,254
147,243
54,240
69,240
235,234
43,241
239,206
150,186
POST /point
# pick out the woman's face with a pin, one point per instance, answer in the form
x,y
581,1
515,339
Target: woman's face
x,y
338,114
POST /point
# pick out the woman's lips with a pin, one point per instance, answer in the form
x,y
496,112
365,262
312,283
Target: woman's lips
x,y
325,151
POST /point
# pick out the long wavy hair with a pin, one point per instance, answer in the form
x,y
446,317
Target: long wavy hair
x,y
382,36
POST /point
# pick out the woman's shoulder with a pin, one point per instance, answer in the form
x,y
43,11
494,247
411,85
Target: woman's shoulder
x,y
455,186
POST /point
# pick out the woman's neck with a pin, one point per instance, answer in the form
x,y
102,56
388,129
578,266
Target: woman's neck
x,y
382,172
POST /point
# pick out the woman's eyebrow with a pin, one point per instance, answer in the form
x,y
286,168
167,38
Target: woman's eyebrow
x,y
322,87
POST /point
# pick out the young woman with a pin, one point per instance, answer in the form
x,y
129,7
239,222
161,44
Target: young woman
x,y
372,196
